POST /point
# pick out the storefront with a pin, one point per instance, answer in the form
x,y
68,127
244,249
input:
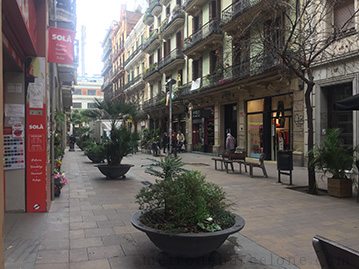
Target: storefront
x,y
269,125
203,129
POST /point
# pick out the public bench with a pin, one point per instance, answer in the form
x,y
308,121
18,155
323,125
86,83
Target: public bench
x,y
259,164
222,160
236,157
333,255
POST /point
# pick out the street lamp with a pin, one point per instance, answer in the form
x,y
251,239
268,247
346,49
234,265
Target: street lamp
x,y
169,83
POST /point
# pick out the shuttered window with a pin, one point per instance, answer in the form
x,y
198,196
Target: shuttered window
x,y
343,13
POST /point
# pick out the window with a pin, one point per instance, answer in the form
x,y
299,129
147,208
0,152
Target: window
x,y
91,92
77,105
197,69
343,15
77,92
91,105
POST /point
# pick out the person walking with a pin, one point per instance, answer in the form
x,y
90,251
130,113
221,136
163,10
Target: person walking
x,y
164,141
230,143
180,139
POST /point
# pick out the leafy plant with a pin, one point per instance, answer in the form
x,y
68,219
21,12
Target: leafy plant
x,y
182,201
121,141
333,156
95,152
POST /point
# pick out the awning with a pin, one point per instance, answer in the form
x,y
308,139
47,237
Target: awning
x,y
349,103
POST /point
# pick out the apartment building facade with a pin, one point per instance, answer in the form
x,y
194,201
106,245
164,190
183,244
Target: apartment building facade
x,y
227,80
120,34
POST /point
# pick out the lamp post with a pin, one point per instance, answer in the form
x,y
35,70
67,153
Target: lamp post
x,y
169,83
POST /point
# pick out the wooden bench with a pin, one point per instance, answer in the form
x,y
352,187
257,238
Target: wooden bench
x,y
222,160
334,255
259,164
236,157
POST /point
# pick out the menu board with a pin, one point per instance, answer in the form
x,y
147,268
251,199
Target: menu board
x,y
14,157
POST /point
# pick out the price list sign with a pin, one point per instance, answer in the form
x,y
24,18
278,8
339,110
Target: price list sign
x,y
14,157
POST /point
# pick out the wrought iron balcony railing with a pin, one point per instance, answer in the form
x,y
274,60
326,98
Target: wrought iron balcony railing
x,y
172,56
150,71
156,100
133,55
236,9
255,66
202,33
153,37
133,81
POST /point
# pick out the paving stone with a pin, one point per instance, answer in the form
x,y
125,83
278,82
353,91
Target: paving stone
x,y
85,242
94,264
53,256
83,225
98,232
78,255
105,252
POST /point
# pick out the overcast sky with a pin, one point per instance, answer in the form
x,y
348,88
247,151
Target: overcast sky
x,y
97,17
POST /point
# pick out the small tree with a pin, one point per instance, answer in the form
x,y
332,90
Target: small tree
x,y
301,34
121,141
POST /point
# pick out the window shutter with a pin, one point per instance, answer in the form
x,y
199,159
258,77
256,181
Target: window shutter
x,y
342,13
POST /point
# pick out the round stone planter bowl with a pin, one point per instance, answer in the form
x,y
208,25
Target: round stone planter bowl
x,y
190,245
114,171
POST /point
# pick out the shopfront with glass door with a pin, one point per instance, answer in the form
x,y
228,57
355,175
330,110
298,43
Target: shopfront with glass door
x,y
269,126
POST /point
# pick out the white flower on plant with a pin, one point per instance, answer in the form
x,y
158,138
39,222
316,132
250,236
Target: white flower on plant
x,y
209,219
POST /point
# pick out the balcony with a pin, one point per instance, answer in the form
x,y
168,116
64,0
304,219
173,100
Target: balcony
x,y
153,102
172,61
106,51
118,72
117,52
152,73
165,2
174,24
209,36
259,69
66,13
155,8
106,83
148,19
136,57
239,13
152,43
193,7
136,83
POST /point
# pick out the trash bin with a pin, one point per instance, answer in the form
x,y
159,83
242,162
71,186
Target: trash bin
x,y
285,162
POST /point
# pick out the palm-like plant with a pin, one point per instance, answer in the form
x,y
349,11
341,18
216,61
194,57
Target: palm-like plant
x,y
333,156
121,141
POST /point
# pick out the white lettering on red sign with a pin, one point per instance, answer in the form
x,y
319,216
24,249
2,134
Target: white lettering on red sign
x,y
36,127
62,38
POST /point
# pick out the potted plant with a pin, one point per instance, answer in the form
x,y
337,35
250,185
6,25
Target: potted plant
x,y
121,141
59,182
333,157
181,213
95,152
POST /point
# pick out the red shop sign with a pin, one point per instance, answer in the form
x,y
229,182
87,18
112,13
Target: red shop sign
x,y
61,45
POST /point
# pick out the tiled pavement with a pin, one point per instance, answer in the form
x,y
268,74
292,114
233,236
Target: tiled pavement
x,y
88,226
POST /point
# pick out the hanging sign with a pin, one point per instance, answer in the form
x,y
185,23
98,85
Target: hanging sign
x,y
61,45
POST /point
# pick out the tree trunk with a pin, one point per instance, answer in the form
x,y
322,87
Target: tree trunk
x,y
312,184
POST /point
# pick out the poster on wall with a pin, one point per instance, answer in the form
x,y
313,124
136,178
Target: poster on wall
x,y
14,153
36,131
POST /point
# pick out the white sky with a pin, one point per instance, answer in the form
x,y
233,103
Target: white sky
x,y
97,16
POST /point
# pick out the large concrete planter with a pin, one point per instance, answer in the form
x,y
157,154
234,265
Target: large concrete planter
x,y
340,187
114,171
187,244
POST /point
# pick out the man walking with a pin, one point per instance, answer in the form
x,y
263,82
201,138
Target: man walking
x,y
230,143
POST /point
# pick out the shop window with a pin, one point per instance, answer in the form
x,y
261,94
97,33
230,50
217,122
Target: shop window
x,y
255,135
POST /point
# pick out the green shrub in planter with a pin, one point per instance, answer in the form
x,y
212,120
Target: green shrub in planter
x,y
95,152
183,202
